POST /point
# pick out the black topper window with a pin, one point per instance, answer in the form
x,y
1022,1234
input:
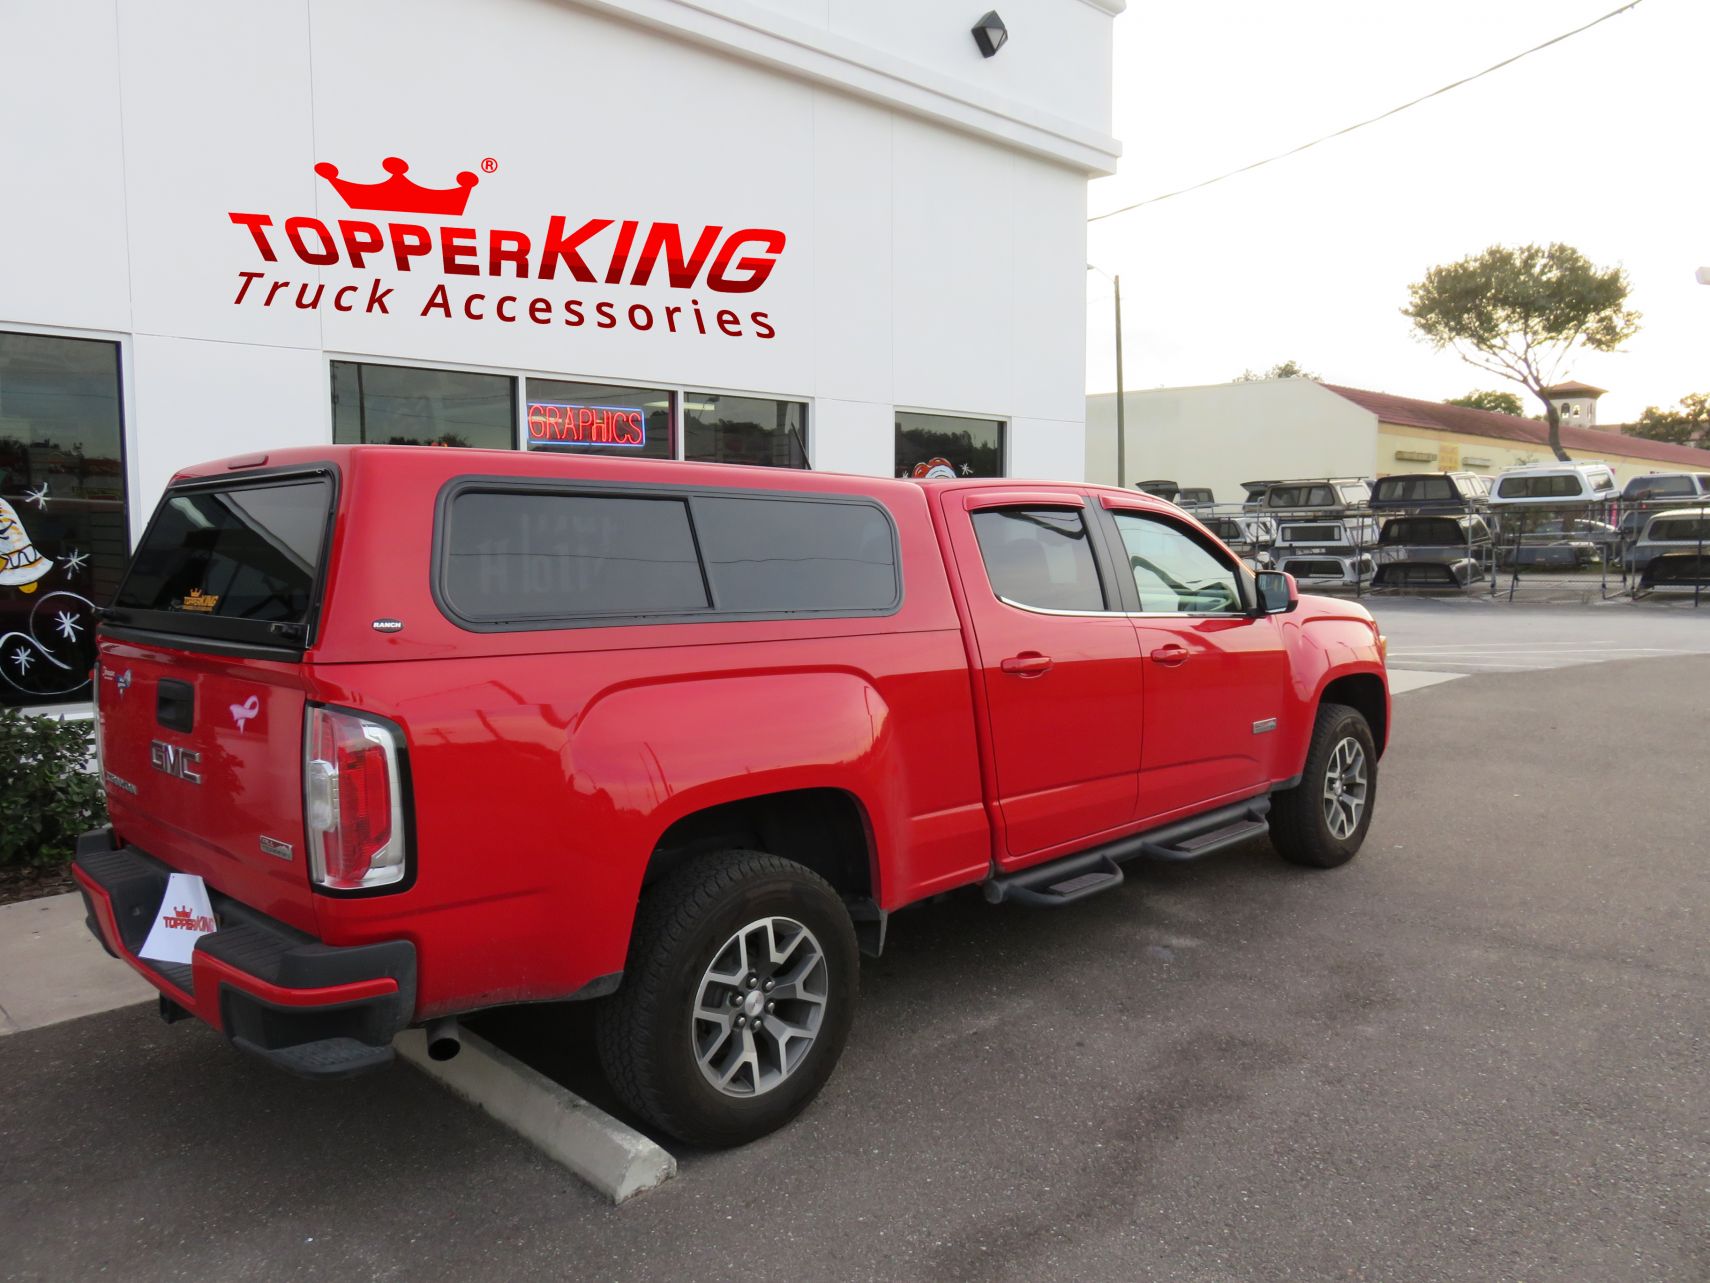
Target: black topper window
x,y
782,555
245,552
518,559
512,557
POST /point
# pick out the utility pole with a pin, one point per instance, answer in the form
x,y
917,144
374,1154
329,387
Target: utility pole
x,y
1121,396
1121,418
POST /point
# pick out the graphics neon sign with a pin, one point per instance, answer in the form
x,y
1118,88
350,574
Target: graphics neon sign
x,y
553,423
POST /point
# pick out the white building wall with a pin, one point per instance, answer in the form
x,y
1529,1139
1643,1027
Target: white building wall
x,y
933,201
1226,433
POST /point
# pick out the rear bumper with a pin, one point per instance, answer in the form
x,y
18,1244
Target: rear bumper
x,y
316,1010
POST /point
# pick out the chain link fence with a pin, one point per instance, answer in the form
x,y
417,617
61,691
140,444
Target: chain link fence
x,y
1638,550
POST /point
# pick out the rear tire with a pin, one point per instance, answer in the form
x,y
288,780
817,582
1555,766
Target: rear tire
x,y
1322,822
737,999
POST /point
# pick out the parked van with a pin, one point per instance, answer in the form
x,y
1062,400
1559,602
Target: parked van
x,y
1556,485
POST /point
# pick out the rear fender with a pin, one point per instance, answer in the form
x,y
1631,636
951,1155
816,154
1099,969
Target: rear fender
x,y
651,754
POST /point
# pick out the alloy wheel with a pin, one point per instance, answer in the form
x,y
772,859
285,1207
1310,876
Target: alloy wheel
x,y
1345,788
760,1006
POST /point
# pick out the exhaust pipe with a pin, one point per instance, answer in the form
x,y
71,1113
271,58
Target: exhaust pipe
x,y
444,1038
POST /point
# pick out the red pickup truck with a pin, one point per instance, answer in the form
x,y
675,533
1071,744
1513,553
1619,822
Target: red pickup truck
x,y
441,730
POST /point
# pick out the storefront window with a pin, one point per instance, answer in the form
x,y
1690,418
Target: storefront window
x,y
947,445
62,511
744,429
599,418
403,405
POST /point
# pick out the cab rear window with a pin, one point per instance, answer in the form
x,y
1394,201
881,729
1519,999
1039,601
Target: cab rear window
x,y
246,555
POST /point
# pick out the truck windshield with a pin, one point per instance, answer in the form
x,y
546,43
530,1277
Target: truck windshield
x,y
231,560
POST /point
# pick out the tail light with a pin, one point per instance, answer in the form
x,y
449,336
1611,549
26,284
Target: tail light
x,y
353,795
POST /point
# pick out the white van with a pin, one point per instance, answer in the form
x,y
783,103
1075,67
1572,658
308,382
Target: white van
x,y
1556,484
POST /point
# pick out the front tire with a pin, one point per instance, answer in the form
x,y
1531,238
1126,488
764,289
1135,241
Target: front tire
x,y
737,1000
1322,822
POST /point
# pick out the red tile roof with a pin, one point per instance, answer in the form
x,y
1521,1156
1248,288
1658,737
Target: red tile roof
x,y
1587,443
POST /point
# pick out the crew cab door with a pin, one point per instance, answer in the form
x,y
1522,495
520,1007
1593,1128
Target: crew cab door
x,y
1216,675
1058,665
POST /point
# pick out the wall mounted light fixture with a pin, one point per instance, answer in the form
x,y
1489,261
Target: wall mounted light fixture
x,y
990,33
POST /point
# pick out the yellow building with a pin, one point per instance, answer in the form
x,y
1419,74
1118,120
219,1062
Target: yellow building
x,y
1429,436
1223,434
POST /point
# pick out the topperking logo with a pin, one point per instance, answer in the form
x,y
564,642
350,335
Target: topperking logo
x,y
532,276
181,919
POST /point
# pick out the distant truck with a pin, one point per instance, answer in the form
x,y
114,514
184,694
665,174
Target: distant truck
x,y
443,730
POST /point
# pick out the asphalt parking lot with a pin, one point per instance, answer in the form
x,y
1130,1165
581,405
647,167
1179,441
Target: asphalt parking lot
x,y
1478,1052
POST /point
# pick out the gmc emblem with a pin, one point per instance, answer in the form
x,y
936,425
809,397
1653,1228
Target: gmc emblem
x,y
180,763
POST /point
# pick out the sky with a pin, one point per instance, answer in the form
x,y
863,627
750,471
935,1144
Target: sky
x,y
1600,141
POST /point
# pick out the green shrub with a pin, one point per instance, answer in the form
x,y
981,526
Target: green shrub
x,y
48,794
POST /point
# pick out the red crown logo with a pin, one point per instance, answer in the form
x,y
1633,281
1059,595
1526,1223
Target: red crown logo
x,y
398,194
183,914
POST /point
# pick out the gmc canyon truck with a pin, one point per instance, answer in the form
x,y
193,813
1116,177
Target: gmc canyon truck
x,y
442,730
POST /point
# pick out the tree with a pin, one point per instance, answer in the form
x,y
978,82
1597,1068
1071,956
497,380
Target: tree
x,y
1521,312
1281,370
1689,425
1501,402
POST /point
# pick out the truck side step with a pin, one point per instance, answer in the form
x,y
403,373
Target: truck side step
x,y
1085,873
1055,884
1195,847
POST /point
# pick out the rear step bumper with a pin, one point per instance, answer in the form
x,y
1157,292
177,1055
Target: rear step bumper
x,y
1086,873
315,1010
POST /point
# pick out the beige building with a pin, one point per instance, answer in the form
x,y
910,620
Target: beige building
x,y
1226,433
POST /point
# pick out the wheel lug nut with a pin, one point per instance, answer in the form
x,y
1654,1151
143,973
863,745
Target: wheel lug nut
x,y
771,1006
768,985
740,1021
736,1000
752,981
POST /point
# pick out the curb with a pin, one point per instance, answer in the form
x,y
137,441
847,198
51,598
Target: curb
x,y
616,1160
51,968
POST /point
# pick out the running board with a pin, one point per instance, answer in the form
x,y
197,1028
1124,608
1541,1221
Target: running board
x,y
1085,873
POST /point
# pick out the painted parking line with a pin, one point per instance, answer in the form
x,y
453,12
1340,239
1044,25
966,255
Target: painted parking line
x,y
1412,679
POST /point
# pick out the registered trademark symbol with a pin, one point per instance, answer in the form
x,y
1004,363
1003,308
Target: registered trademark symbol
x,y
489,166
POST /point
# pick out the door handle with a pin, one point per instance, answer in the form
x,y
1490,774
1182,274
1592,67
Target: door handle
x,y
1030,663
1170,655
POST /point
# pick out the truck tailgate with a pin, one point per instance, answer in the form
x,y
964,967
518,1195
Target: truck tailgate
x,y
203,758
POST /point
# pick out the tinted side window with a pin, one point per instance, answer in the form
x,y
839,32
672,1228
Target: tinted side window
x,y
1300,497
1553,486
1174,571
517,556
1040,557
1413,489
794,554
1682,529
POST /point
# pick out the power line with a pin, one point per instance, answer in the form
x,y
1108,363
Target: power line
x,y
1293,151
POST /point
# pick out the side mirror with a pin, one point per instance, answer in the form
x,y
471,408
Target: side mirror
x,y
1277,592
